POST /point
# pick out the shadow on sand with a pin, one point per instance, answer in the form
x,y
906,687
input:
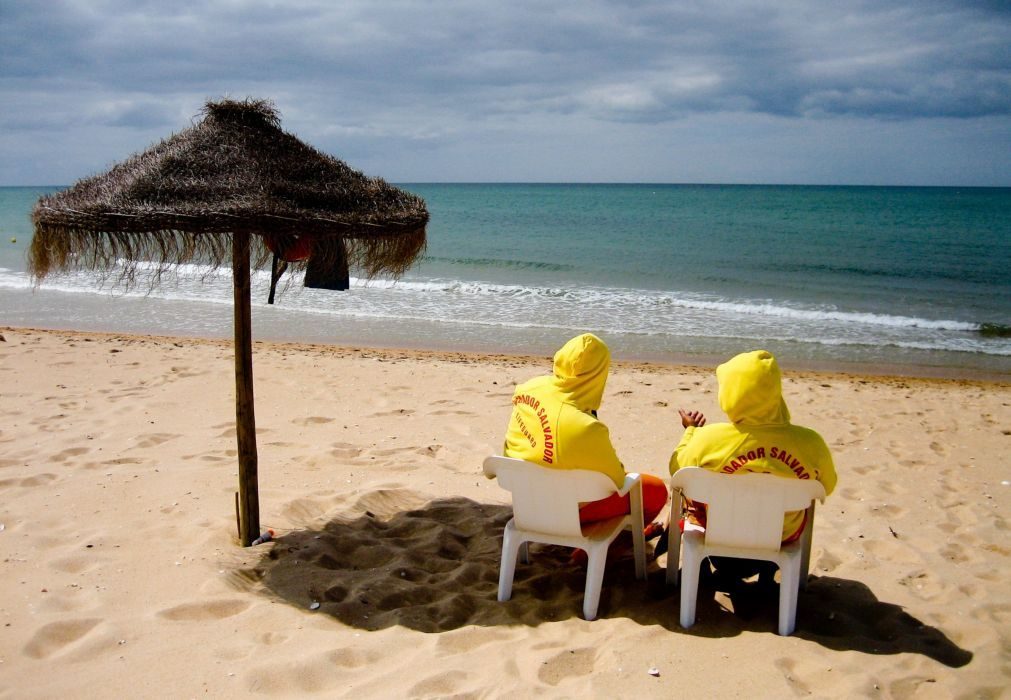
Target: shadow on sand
x,y
435,568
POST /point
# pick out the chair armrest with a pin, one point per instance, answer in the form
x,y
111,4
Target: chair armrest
x,y
631,479
488,467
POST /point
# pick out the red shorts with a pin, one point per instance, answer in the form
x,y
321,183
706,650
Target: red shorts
x,y
654,498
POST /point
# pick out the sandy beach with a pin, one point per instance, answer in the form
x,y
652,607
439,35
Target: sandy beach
x,y
122,576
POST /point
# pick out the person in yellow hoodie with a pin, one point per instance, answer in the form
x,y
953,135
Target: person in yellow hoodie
x,y
554,423
760,436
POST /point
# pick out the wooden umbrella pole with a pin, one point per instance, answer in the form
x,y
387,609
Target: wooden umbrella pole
x,y
245,423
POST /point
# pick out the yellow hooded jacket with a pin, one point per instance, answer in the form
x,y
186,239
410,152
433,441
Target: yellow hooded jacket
x,y
553,422
761,437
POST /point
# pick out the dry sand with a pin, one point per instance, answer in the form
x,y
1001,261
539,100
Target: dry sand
x,y
121,576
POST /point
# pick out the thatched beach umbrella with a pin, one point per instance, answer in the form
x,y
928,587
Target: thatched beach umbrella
x,y
229,190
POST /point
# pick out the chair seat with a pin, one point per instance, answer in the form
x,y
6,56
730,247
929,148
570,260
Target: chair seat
x,y
604,529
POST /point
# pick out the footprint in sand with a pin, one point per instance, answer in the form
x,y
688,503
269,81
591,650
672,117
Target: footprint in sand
x,y
956,553
50,423
56,636
313,420
891,551
120,461
349,657
392,451
826,563
915,686
227,430
204,610
971,590
887,510
319,673
155,439
788,667
394,412
999,614
272,638
923,585
67,454
469,638
896,451
74,564
567,664
886,488
29,481
851,494
185,372
344,450
438,686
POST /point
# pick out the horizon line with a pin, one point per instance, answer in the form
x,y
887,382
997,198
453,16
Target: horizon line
x,y
618,182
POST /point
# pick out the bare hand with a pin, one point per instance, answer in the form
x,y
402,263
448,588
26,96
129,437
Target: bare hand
x,y
692,419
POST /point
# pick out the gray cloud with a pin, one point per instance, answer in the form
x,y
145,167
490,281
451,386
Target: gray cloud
x,y
416,77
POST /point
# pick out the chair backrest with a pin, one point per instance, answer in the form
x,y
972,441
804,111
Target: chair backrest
x,y
746,510
545,499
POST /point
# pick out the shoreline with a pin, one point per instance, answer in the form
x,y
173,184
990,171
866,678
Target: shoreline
x,y
790,367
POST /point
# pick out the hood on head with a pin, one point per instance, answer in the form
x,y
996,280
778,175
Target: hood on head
x,y
581,370
751,389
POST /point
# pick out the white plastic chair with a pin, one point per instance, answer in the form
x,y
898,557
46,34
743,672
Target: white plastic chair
x,y
546,509
744,520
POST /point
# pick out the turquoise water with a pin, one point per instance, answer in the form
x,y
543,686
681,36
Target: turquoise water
x,y
849,276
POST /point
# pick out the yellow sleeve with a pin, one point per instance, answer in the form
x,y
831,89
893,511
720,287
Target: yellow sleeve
x,y
675,463
591,448
826,471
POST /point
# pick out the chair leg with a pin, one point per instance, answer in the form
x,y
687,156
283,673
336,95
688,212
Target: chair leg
x,y
638,536
674,535
673,552
511,544
805,539
689,582
639,551
789,586
596,560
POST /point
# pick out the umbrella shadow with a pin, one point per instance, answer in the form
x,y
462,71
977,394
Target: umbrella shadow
x,y
431,569
435,568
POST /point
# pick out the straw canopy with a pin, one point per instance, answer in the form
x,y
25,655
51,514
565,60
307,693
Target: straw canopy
x,y
224,192
234,171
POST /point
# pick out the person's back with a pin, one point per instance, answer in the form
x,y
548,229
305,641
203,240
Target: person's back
x,y
760,437
554,423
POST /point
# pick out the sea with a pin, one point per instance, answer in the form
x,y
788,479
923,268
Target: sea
x,y
907,280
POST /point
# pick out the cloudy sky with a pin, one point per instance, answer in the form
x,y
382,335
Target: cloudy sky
x,y
728,91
